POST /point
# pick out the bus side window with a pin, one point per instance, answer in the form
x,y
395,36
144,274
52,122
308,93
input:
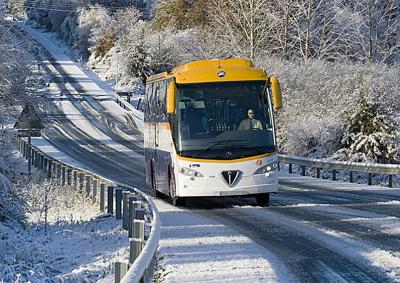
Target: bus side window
x,y
154,110
162,102
149,88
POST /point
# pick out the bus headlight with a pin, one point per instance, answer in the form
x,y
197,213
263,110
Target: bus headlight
x,y
190,172
267,168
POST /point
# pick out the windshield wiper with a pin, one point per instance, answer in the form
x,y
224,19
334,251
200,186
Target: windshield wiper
x,y
214,144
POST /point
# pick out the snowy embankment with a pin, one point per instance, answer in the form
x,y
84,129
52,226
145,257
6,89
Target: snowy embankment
x,y
207,250
60,237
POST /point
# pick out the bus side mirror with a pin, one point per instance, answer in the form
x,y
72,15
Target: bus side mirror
x,y
276,92
172,89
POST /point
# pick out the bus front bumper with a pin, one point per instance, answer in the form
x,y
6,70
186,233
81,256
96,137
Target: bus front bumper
x,y
216,186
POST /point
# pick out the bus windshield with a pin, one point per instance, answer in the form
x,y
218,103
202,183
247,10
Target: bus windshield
x,y
224,120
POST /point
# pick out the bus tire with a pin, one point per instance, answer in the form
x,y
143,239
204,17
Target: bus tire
x,y
262,199
175,201
153,183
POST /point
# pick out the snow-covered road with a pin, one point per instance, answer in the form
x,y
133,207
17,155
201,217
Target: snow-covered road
x,y
315,230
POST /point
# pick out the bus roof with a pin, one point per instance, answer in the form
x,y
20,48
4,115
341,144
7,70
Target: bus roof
x,y
214,71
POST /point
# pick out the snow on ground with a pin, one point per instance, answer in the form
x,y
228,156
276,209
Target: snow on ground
x,y
341,242
68,241
196,249
360,250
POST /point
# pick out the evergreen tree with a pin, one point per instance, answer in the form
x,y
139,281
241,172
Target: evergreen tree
x,y
370,134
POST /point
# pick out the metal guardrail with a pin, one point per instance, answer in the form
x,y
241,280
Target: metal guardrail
x,y
123,103
138,213
369,168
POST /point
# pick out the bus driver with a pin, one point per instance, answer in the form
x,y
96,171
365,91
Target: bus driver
x,y
250,123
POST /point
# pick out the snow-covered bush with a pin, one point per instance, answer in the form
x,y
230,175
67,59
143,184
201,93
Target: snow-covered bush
x,y
11,208
329,90
81,26
371,134
313,136
17,7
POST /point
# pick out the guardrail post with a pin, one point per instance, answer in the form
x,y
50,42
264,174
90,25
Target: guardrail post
x,y
75,178
95,188
370,179
50,168
139,213
132,214
42,162
81,181
63,175
54,169
23,146
28,152
318,172
290,168
118,200
390,181
59,169
23,149
88,181
38,158
334,174
102,196
121,268
138,229
135,247
351,178
303,170
35,160
69,176
45,164
110,199
33,152
125,210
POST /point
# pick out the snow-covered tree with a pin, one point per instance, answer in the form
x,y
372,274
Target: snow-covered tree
x,y
241,28
371,134
374,33
17,69
81,26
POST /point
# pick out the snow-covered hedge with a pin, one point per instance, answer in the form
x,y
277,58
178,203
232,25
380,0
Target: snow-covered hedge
x,y
319,100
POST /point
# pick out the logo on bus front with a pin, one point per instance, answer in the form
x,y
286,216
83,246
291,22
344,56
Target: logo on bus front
x,y
221,74
258,162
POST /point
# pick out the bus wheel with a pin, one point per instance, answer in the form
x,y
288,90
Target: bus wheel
x,y
175,201
153,184
262,199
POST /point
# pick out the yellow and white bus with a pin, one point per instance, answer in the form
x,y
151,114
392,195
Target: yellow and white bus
x,y
209,131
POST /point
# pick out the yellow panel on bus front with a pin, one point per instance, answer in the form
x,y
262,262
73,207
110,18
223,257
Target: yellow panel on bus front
x,y
218,71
